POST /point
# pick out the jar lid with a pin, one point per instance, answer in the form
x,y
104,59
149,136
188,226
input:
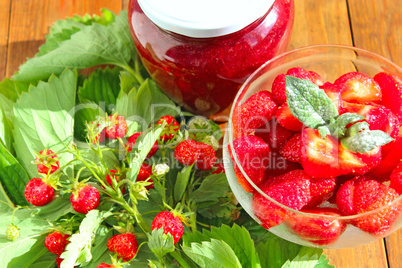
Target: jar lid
x,y
204,18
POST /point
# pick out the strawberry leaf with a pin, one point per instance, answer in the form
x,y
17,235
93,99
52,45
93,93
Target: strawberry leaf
x,y
365,141
183,178
160,243
309,103
211,189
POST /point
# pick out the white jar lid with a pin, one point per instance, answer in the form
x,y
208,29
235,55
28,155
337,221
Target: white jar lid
x,y
204,18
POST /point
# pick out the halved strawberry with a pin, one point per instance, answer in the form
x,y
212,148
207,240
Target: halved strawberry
x,y
358,87
391,87
286,119
334,93
277,165
396,178
252,153
345,195
391,156
315,229
279,89
291,189
253,113
316,78
321,189
274,134
291,150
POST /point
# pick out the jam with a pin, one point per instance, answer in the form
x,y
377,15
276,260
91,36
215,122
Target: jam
x,y
203,74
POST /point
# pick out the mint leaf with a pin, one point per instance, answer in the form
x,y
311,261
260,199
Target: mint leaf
x,y
43,118
214,254
93,45
356,128
365,141
309,103
160,243
338,126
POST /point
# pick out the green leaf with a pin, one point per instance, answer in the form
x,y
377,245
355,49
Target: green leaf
x,y
309,103
12,90
5,130
85,113
338,126
356,128
307,258
47,260
29,257
183,178
323,263
58,207
78,251
44,119
93,45
127,82
366,141
214,254
13,177
236,237
102,87
211,189
160,243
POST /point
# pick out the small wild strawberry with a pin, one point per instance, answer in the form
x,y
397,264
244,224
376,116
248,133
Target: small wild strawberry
x,y
169,223
189,152
47,162
111,177
85,198
133,138
38,192
116,127
56,242
124,245
171,127
144,173
105,265
12,232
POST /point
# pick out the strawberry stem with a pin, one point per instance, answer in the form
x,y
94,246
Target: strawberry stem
x,y
177,256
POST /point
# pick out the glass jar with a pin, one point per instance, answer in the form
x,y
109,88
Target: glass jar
x,y
199,54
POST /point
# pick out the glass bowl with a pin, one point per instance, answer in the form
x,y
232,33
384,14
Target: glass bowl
x,y
306,227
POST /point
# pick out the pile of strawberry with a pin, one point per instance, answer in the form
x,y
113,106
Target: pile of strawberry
x,y
322,148
87,195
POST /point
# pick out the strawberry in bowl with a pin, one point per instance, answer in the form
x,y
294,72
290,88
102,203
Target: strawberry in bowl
x,y
313,146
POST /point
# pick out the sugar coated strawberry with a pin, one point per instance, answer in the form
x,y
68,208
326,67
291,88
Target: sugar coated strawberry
x,y
47,161
291,189
131,142
144,173
124,245
252,153
315,229
274,134
286,119
334,93
292,149
38,192
345,195
253,113
190,152
170,224
396,178
302,73
171,127
56,242
391,87
359,87
85,198
116,127
370,195
279,89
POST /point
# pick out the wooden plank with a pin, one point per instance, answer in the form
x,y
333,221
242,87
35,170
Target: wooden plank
x,y
327,22
30,21
5,6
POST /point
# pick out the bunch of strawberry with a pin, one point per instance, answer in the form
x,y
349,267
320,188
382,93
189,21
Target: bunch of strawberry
x,y
313,145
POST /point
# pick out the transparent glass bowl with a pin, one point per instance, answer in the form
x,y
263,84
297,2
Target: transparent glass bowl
x,y
330,61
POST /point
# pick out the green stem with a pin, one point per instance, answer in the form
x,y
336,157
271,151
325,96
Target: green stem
x,y
133,73
177,256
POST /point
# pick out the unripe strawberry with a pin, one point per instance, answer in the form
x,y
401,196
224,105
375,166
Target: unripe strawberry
x,y
56,242
38,192
124,245
12,232
169,223
85,198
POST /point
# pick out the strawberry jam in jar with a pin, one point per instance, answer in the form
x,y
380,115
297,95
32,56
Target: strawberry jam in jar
x,y
200,52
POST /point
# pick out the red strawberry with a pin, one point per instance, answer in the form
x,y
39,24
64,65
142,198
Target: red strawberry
x,y
171,127
391,156
56,242
133,138
391,87
96,133
144,173
274,134
170,224
277,165
291,189
334,93
104,265
253,113
324,158
396,178
47,161
345,195
252,153
110,178
316,78
116,127
358,87
286,119
301,73
189,152
219,168
292,149
85,198
58,261
321,190
279,89
370,195
124,245
38,192
315,229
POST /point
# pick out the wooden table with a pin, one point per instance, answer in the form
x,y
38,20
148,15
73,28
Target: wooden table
x,y
375,25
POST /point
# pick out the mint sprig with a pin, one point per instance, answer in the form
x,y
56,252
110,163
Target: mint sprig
x,y
311,106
